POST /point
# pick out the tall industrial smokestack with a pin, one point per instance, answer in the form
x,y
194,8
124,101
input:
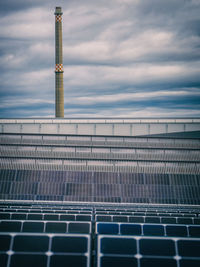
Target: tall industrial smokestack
x,y
59,94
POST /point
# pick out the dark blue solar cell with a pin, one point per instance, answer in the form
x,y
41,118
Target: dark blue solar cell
x,y
3,260
158,247
67,217
68,260
5,242
163,214
194,231
31,243
10,226
185,220
197,221
168,220
151,213
102,218
107,228
54,227
189,263
190,248
113,245
130,229
10,210
136,219
154,230
69,244
4,216
120,219
118,262
24,210
152,219
148,262
33,227
81,228
28,260
19,216
139,213
51,217
176,230
83,218
34,216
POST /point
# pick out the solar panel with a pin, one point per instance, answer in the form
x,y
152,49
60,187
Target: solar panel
x,y
57,249
99,186
147,229
145,251
120,242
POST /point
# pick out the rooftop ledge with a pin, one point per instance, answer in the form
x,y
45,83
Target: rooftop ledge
x,y
101,120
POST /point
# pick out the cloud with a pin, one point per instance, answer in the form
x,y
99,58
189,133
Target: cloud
x,y
121,58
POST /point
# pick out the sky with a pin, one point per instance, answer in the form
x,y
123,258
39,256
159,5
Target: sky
x,y
122,58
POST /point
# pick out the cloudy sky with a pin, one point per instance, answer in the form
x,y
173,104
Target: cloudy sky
x,y
127,58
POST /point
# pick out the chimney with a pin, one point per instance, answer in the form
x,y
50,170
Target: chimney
x,y
59,91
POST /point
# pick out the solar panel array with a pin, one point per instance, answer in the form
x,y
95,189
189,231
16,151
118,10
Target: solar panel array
x,y
134,201
100,186
52,240
99,169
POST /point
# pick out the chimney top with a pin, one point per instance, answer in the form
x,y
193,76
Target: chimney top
x,y
58,11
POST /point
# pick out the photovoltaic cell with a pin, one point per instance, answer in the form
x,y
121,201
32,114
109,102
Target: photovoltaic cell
x,y
111,245
10,226
160,247
194,231
33,227
19,216
68,260
67,217
29,243
176,230
107,228
147,262
35,217
5,242
54,227
3,260
30,259
189,262
83,228
70,244
154,230
118,261
51,217
190,248
130,229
